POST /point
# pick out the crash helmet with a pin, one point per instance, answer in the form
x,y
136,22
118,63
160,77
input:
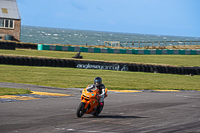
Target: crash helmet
x,y
97,81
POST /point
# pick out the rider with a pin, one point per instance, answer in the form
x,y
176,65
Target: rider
x,y
98,85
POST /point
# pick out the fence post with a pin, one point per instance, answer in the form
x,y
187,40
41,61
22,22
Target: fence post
x,y
132,44
152,44
145,44
158,44
184,43
190,44
165,43
177,43
126,44
139,45
171,43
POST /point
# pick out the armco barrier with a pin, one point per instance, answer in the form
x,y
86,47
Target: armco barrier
x,y
119,51
33,61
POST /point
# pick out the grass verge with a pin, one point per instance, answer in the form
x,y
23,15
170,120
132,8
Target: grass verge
x,y
174,60
12,91
80,78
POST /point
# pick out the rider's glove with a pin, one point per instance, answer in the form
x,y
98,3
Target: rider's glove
x,y
98,96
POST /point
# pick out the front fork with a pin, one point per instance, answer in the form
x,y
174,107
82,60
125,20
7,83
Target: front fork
x,y
87,104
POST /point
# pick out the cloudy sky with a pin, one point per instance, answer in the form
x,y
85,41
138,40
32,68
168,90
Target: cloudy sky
x,y
158,17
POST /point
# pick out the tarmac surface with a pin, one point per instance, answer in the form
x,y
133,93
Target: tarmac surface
x,y
124,112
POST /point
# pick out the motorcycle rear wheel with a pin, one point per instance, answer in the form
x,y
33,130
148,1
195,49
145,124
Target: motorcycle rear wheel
x,y
80,110
98,111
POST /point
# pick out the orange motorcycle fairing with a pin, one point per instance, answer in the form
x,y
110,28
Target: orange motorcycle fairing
x,y
89,103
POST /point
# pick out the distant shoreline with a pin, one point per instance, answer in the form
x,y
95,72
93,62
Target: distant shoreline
x,y
108,31
47,35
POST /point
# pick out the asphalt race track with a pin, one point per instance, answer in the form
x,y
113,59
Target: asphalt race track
x,y
147,111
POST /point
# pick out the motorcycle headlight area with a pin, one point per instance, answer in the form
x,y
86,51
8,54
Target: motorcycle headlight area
x,y
86,97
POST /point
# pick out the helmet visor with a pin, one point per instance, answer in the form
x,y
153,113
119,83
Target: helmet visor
x,y
97,84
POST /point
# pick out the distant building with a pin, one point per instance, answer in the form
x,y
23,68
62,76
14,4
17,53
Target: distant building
x,y
10,21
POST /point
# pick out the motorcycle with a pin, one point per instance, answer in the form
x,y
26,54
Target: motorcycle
x,y
89,103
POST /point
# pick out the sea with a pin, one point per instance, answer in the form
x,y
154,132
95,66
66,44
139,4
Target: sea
x,y
64,36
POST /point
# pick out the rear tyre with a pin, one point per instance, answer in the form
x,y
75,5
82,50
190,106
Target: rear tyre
x,y
98,111
80,110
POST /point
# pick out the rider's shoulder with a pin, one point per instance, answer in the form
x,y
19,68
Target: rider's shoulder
x,y
90,86
103,85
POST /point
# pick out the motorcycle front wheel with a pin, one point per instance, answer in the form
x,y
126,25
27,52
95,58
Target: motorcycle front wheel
x,y
80,110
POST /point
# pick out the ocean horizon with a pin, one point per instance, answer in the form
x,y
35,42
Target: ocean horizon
x,y
63,36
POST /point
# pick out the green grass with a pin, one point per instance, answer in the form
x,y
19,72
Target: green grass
x,y
174,60
80,78
12,91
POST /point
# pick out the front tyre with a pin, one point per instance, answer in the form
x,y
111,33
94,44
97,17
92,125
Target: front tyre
x,y
80,110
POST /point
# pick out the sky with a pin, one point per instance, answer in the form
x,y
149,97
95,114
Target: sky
x,y
156,17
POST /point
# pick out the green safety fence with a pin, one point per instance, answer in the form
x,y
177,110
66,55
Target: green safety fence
x,y
119,51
